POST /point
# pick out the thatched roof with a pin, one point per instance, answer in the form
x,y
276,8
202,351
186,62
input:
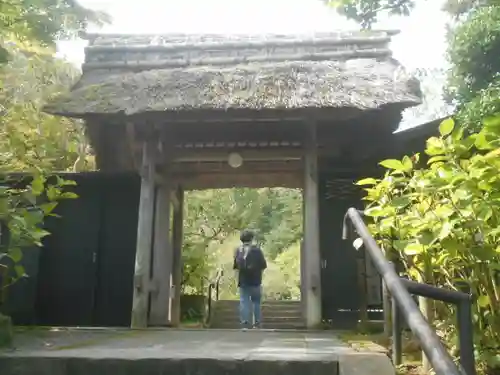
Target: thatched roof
x,y
126,75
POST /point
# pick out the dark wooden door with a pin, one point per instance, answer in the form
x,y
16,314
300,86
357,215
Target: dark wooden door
x,y
67,269
116,257
339,273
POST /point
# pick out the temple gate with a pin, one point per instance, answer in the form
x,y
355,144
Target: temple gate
x,y
209,111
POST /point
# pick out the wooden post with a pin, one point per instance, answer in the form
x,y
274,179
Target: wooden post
x,y
162,259
312,256
426,306
142,273
303,277
386,300
362,287
178,222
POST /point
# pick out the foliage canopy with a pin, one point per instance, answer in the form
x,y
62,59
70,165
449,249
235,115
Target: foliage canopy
x,y
473,52
35,24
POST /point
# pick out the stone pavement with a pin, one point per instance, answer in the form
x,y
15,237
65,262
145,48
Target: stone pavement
x,y
187,352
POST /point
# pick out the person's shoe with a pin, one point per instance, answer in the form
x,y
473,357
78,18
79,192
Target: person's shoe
x,y
256,325
244,326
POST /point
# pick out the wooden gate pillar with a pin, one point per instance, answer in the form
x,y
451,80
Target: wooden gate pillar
x,y
162,258
177,236
142,272
311,248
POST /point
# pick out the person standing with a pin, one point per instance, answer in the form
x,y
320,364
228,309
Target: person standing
x,y
250,263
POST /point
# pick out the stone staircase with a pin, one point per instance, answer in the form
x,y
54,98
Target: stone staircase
x,y
275,315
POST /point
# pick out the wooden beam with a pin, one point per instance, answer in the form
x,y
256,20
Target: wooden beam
x,y
311,247
233,133
242,115
248,168
162,260
177,270
248,155
256,180
142,273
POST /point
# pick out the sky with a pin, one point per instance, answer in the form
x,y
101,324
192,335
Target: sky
x,y
420,44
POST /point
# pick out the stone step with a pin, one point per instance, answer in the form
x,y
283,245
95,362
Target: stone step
x,y
268,319
186,352
281,312
268,305
264,303
265,318
264,325
216,322
218,306
275,315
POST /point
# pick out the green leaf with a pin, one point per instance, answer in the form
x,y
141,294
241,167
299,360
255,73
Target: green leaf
x,y
400,245
458,134
15,254
20,271
485,186
481,142
446,127
492,121
47,208
367,181
445,230
53,193
377,211
4,55
400,202
485,213
435,146
4,205
483,301
492,154
426,238
413,249
451,245
392,164
407,164
436,159
68,195
37,185
462,194
444,211
64,182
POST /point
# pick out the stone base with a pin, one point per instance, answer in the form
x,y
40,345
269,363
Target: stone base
x,y
185,352
6,333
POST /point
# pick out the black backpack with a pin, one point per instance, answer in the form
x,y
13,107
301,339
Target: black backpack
x,y
245,257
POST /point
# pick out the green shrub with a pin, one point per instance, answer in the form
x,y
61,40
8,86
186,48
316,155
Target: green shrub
x,y
441,221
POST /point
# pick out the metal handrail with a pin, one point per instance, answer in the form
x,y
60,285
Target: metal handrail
x,y
403,303
213,285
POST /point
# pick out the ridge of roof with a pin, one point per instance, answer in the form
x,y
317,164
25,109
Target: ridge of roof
x,y
138,52
128,40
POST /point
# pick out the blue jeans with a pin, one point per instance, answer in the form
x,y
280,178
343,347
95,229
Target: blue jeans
x,y
250,297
